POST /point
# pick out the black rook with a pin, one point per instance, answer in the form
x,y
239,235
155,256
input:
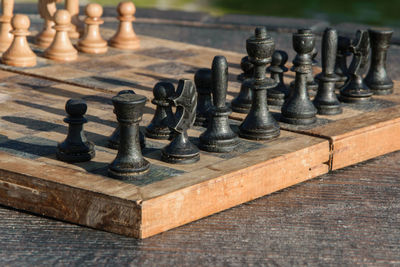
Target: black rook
x,y
129,161
377,79
113,141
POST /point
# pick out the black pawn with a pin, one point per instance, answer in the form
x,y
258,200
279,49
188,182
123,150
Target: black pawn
x,y
326,101
219,136
202,79
299,109
259,123
75,148
163,116
129,162
377,79
312,85
341,69
277,95
113,140
181,150
355,90
242,103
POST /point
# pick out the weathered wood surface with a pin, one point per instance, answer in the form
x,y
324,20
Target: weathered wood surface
x,y
168,196
347,217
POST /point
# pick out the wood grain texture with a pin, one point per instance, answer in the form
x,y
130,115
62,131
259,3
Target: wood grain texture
x,y
347,217
182,193
169,196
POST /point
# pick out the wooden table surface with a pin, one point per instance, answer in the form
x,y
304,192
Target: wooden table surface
x,y
350,216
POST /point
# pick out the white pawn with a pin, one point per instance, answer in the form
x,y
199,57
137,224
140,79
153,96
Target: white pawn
x,y
125,38
92,42
19,53
6,36
61,49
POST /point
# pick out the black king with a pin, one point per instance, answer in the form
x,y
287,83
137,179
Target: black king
x,y
259,123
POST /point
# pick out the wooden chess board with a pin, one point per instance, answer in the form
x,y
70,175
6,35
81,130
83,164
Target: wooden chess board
x,y
31,117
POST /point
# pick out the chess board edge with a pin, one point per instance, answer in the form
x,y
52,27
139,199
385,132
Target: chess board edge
x,y
107,204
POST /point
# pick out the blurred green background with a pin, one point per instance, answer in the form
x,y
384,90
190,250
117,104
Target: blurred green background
x,y
375,12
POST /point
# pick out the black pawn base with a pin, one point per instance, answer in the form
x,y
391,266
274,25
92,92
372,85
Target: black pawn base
x,y
242,103
355,95
355,99
298,121
260,134
382,89
299,112
275,97
219,144
341,82
180,151
328,108
158,133
113,141
355,91
75,153
252,131
123,170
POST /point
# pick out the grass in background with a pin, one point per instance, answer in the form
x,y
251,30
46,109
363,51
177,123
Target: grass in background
x,y
376,12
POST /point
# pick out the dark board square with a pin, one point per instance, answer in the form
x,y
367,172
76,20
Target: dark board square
x,y
244,146
31,147
172,68
156,173
103,82
99,66
373,105
28,126
29,82
166,53
40,63
292,127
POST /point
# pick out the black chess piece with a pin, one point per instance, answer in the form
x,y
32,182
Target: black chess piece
x,y
276,96
342,54
355,90
202,80
219,136
163,116
298,109
312,85
75,148
113,140
259,123
377,79
129,162
242,102
326,101
181,149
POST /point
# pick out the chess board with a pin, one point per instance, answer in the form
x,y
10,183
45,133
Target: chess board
x,y
31,117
